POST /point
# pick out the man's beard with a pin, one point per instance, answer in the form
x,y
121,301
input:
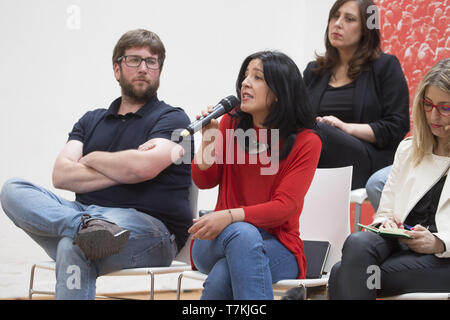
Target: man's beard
x,y
138,94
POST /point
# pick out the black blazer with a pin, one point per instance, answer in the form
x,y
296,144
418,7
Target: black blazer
x,y
381,100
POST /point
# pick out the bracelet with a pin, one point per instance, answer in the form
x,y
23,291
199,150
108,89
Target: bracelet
x,y
231,215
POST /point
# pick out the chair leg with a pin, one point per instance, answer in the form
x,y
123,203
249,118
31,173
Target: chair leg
x,y
357,217
305,297
179,286
30,290
152,285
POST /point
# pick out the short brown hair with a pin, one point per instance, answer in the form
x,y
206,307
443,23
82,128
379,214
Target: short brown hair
x,y
140,38
369,48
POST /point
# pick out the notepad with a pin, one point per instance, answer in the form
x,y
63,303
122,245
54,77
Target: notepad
x,y
387,232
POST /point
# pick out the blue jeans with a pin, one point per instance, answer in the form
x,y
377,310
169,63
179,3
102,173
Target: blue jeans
x,y
242,263
53,222
375,185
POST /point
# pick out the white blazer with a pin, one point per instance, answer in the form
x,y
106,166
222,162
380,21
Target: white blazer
x,y
407,184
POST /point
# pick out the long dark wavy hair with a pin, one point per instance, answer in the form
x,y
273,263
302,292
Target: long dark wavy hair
x,y
369,48
291,112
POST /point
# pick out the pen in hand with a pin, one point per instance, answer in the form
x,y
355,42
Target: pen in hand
x,y
407,227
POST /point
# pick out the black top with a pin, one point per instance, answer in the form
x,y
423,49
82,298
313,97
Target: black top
x,y
165,197
424,212
338,102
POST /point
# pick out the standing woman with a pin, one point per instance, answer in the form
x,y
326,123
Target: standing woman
x,y
251,240
417,195
358,93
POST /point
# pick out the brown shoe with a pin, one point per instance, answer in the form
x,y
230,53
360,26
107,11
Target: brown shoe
x,y
100,239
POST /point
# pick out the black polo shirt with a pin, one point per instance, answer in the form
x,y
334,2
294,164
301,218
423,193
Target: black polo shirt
x,y
166,197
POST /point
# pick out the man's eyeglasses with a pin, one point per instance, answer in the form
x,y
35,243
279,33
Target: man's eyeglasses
x,y
135,61
442,109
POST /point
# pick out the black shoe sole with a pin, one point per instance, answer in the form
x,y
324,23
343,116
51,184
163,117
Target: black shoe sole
x,y
100,244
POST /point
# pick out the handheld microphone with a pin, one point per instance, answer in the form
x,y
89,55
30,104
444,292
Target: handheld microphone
x,y
224,106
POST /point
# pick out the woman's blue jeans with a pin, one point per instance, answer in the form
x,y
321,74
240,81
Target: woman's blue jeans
x,y
242,263
53,222
375,186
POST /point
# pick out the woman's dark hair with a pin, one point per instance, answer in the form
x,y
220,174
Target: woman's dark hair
x,y
369,47
291,111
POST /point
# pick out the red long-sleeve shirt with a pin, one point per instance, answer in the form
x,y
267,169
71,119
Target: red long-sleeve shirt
x,y
273,202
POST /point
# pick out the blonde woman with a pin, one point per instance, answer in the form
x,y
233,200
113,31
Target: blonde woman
x,y
416,197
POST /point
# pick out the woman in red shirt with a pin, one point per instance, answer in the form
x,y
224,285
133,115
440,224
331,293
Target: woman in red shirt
x,y
263,157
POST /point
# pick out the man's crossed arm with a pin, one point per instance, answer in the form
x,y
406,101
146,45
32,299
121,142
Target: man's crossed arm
x,y
99,169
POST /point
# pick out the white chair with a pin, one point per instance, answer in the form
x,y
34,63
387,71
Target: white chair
x,y
181,263
358,197
420,296
325,217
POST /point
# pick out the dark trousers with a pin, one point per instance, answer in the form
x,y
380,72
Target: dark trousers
x,y
340,149
400,269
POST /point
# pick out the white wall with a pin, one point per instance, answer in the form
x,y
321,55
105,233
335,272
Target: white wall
x,y
52,72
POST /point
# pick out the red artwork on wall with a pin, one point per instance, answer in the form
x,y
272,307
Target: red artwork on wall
x,y
417,32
